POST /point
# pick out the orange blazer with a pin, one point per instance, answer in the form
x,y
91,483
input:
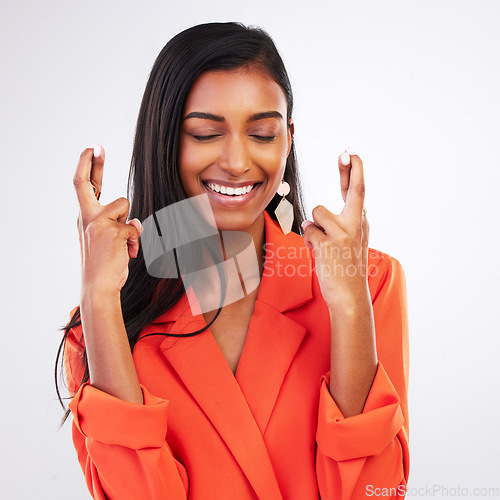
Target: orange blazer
x,y
270,432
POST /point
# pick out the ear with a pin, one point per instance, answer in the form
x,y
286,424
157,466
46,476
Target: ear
x,y
291,131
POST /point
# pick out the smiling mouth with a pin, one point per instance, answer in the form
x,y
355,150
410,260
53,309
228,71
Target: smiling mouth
x,y
230,191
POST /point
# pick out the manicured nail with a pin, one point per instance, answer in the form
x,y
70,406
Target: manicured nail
x,y
306,223
97,150
345,159
140,228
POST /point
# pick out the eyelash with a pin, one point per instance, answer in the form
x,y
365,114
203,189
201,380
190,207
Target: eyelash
x,y
264,138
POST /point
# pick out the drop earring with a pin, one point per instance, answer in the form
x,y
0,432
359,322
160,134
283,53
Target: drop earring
x,y
284,210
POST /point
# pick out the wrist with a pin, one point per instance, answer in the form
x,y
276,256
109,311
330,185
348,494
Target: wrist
x,y
99,296
351,301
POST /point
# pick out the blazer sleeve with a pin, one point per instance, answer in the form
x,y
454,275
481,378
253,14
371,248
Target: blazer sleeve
x,y
121,446
367,454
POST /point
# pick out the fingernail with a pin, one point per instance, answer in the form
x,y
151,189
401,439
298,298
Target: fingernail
x,y
350,151
140,225
97,150
306,223
345,159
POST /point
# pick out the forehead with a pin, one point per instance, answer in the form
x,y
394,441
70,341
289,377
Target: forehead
x,y
240,90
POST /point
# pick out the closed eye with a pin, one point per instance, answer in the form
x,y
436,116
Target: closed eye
x,y
264,138
202,138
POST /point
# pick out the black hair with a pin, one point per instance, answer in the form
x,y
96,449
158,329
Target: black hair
x,y
154,180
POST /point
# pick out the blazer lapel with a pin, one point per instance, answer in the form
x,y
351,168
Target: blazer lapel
x,y
273,338
271,344
217,393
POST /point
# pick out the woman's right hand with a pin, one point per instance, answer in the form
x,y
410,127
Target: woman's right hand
x,y
107,241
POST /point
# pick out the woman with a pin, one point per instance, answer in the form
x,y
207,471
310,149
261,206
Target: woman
x,y
295,390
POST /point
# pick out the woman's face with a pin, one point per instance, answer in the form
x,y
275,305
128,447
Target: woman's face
x,y
234,144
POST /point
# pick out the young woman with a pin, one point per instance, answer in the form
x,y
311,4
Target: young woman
x,y
296,390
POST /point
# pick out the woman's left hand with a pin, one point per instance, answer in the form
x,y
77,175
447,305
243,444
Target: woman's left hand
x,y
340,242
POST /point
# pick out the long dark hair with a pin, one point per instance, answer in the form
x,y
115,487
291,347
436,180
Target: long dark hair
x,y
154,180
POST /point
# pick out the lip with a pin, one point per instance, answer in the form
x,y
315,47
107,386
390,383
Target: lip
x,y
230,184
229,200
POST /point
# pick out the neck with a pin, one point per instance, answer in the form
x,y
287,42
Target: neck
x,y
259,238
257,231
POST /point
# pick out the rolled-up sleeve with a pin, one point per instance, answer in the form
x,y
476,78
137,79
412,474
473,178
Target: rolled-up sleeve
x,y
99,415
121,446
360,435
367,454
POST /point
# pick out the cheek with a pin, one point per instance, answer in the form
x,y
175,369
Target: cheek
x,y
274,167
187,156
272,158
187,168
192,160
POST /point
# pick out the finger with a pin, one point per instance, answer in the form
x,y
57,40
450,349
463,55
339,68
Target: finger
x,y
133,242
117,210
96,172
328,222
130,235
306,223
82,183
356,193
344,162
312,234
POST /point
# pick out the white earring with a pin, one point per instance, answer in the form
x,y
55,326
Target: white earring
x,y
284,210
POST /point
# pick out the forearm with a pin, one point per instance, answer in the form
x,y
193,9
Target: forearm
x,y
353,353
111,366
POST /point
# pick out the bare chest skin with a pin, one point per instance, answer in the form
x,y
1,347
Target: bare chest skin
x,y
230,329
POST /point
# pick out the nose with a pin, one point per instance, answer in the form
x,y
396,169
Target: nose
x,y
235,158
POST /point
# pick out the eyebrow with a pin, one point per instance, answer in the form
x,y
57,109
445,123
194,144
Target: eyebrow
x,y
217,118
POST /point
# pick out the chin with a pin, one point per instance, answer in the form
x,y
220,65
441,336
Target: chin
x,y
233,222
231,225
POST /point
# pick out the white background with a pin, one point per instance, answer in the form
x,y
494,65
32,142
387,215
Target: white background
x,y
411,86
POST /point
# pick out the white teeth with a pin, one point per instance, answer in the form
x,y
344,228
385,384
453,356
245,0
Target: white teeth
x,y
230,191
